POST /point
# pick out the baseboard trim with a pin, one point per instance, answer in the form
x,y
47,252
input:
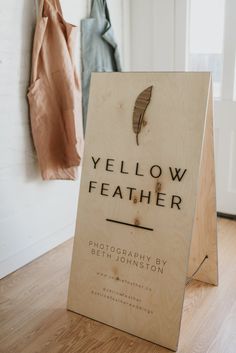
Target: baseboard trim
x,y
32,252
226,215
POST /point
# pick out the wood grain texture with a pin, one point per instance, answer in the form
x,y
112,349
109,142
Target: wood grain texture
x,y
154,306
140,107
204,237
34,319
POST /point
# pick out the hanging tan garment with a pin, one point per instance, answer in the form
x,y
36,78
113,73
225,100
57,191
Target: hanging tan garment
x,y
54,94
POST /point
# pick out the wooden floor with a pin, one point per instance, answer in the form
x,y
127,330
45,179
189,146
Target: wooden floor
x,y
33,318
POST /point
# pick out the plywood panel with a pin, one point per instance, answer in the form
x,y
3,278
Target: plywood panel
x,y
137,202
204,238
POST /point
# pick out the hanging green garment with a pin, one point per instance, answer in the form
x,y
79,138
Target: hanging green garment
x,y
99,51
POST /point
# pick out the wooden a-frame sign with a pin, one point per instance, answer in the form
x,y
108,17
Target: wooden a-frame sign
x,y
147,213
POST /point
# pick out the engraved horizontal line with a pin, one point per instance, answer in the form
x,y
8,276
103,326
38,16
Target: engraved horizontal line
x,y
128,224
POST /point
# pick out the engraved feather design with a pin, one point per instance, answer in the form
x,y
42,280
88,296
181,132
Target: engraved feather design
x,y
140,107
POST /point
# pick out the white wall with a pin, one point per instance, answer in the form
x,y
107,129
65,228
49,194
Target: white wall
x,y
159,31
35,215
152,35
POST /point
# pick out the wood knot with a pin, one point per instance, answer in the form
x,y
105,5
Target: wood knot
x,y
158,187
135,200
136,222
